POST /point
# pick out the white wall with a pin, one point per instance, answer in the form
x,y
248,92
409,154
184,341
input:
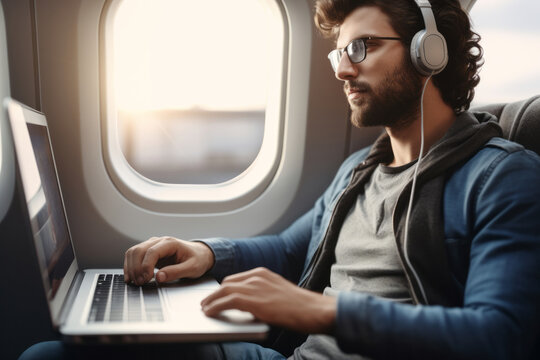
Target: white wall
x,y
103,221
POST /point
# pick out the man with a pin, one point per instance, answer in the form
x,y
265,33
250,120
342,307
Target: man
x,y
458,278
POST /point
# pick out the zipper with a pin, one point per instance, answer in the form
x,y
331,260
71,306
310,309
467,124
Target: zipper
x,y
406,269
400,257
317,253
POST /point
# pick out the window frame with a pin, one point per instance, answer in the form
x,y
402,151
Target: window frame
x,y
193,198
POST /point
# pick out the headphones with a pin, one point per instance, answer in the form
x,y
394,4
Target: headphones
x,y
429,54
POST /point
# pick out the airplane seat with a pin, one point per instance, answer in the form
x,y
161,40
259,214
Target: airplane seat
x,y
520,121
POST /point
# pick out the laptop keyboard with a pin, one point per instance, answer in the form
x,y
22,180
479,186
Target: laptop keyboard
x,y
116,301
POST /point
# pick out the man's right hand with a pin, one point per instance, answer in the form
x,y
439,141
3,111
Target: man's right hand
x,y
174,257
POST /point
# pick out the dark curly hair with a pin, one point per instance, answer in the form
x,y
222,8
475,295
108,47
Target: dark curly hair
x,y
458,80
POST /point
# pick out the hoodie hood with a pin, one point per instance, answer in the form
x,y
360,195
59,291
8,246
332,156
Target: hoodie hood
x,y
423,256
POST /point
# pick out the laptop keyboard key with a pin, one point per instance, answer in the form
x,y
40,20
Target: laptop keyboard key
x,y
112,295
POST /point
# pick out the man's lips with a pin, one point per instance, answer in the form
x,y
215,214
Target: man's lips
x,y
355,93
355,90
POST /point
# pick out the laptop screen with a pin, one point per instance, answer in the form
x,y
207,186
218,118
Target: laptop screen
x,y
43,198
49,225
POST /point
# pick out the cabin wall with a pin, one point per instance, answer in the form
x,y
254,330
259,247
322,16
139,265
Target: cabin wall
x,y
54,65
25,316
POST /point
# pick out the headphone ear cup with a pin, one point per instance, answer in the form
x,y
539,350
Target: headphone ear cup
x,y
429,53
416,57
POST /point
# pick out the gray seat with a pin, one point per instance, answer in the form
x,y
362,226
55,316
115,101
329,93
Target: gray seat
x,y
520,121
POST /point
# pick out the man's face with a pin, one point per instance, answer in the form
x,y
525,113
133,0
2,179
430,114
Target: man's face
x,y
384,89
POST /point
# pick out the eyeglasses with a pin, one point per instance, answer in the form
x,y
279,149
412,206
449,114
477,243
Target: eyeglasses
x,y
356,50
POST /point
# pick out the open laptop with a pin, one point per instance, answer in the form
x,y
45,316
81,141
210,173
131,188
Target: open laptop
x,y
95,305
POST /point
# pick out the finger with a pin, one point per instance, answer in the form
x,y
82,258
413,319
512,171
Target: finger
x,y
242,276
130,264
232,301
178,271
126,269
134,256
227,290
153,254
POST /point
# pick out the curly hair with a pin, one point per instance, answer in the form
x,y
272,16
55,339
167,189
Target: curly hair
x,y
458,80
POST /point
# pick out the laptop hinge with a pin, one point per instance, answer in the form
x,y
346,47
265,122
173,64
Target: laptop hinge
x,y
70,299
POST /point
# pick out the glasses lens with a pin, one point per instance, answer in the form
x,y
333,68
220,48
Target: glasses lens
x,y
356,51
335,58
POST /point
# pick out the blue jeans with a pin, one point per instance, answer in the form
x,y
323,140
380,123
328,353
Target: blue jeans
x,y
223,351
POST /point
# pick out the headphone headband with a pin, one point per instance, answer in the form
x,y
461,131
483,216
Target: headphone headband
x,y
427,14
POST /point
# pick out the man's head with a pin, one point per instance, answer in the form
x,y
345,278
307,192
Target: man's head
x,y
386,77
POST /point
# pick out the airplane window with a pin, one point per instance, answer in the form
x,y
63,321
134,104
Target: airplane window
x,y
510,34
191,86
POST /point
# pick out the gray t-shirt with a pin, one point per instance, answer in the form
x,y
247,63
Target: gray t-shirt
x,y
366,254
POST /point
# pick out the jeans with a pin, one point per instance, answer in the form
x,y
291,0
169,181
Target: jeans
x,y
223,351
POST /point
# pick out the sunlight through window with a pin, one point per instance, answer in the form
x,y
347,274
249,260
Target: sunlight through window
x,y
191,85
510,34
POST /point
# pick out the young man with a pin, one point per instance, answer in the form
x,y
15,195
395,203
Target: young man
x,y
458,278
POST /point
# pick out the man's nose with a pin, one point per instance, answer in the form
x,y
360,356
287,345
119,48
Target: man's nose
x,y
346,69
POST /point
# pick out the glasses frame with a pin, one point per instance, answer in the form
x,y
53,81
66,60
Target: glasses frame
x,y
336,55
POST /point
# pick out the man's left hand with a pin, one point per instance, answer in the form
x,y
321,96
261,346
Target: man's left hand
x,y
273,300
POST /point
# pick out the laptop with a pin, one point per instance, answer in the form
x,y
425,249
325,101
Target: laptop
x,y
95,305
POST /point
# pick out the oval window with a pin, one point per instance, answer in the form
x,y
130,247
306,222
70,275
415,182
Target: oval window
x,y
191,86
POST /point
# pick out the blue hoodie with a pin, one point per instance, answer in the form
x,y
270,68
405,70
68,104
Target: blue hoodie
x,y
473,250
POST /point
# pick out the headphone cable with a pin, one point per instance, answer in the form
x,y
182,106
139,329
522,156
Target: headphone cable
x,y
417,166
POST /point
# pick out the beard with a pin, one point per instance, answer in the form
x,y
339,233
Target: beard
x,y
394,103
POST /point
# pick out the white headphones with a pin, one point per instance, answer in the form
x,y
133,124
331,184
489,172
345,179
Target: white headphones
x,y
429,54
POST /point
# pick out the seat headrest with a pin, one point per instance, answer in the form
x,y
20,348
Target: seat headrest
x,y
520,121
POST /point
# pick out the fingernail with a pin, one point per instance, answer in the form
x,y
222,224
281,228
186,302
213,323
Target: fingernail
x,y
161,277
140,280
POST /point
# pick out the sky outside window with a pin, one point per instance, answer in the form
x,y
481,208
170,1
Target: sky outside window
x,y
180,54
191,82
510,33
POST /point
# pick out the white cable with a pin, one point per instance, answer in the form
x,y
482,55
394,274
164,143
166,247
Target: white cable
x,y
412,192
